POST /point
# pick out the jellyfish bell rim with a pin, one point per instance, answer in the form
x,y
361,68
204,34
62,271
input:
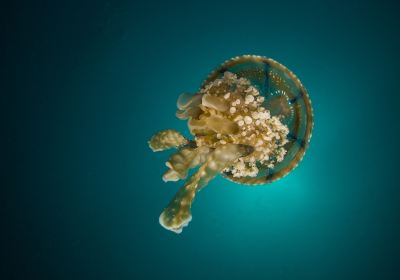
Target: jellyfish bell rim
x,y
309,123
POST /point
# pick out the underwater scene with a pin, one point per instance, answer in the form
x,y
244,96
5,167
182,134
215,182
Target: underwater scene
x,y
201,140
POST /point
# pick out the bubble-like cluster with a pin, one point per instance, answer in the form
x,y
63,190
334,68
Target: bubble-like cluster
x,y
238,106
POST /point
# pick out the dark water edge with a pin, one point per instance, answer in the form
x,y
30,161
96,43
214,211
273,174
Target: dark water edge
x,y
85,85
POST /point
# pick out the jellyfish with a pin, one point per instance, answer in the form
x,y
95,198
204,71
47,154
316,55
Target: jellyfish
x,y
251,122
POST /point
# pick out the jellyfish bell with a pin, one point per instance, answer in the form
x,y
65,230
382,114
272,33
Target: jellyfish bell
x,y
284,96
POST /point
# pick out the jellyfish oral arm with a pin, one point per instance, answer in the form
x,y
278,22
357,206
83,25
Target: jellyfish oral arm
x,y
178,214
183,160
167,139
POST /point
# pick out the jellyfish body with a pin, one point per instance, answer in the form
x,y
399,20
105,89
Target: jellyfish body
x,y
251,121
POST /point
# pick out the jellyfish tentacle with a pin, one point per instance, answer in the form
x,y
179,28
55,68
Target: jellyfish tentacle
x,y
167,139
184,159
188,106
178,214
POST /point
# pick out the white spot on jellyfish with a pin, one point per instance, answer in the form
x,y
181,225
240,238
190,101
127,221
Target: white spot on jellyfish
x,y
248,120
249,99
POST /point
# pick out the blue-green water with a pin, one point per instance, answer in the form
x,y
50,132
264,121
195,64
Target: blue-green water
x,y
88,84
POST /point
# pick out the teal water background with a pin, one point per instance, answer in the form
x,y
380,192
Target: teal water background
x,y
88,83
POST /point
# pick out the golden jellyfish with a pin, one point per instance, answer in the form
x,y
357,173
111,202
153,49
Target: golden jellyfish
x,y
251,121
